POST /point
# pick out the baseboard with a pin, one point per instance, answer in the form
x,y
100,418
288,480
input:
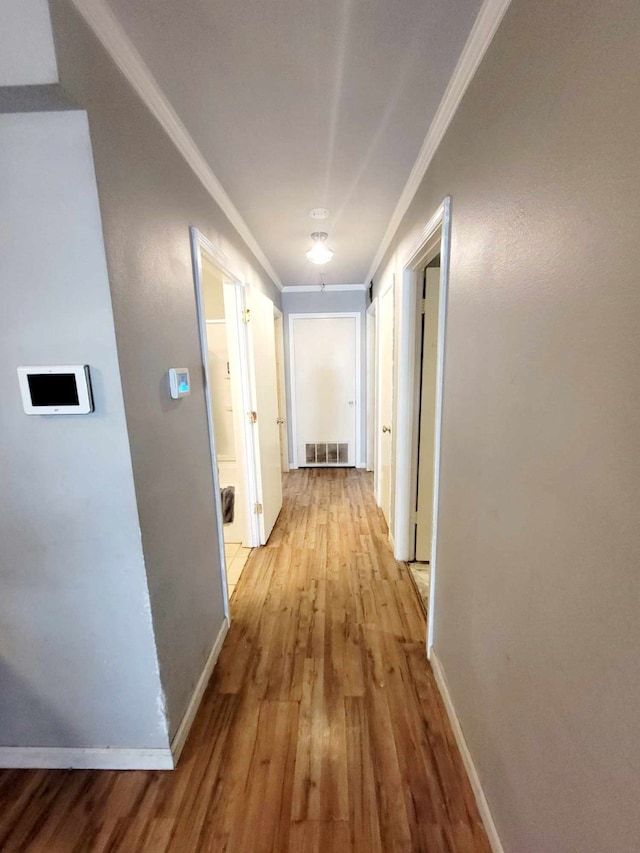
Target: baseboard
x,y
481,800
90,758
180,737
116,758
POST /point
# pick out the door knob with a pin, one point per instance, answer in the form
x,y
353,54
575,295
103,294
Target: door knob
x,y
279,420
386,429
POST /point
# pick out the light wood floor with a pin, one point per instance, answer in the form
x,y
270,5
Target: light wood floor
x,y
321,731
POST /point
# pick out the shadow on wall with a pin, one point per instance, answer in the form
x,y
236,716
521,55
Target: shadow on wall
x,y
20,707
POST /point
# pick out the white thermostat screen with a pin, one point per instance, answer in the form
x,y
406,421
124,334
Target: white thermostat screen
x,y
179,385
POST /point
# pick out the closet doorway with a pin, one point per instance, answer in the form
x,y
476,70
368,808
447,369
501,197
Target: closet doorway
x,y
226,411
422,323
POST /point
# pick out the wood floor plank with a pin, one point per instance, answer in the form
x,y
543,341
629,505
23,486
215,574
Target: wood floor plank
x,y
321,729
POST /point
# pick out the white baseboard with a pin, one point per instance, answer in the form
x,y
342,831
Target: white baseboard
x,y
180,737
481,800
90,758
116,758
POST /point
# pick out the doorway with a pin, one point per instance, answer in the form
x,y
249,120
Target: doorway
x,y
428,364
226,408
223,341
424,285
237,343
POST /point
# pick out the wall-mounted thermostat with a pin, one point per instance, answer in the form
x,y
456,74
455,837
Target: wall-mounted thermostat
x,y
56,389
179,385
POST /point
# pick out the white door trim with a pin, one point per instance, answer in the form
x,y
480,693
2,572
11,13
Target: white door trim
x,y
294,431
408,388
199,244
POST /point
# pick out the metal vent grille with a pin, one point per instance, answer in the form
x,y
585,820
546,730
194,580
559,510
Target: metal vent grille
x,y
327,453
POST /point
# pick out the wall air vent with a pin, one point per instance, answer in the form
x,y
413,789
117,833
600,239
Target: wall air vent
x,y
327,453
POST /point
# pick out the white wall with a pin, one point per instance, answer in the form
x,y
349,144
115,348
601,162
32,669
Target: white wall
x,y
328,302
27,55
78,663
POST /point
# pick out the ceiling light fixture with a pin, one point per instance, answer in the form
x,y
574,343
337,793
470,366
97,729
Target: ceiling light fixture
x,y
319,253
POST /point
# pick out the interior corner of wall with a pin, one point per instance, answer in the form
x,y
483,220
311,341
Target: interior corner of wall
x,y
162,713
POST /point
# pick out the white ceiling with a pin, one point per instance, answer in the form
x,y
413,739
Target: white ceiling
x,y
298,105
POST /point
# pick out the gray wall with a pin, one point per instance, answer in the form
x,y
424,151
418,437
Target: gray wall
x,y
538,584
148,198
78,665
328,302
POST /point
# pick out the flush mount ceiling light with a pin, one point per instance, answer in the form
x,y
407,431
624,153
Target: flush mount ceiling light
x,y
319,253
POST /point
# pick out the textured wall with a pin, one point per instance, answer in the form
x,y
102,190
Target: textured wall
x,y
78,665
149,197
538,585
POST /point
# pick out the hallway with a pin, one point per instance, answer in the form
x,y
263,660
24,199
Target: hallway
x,y
321,729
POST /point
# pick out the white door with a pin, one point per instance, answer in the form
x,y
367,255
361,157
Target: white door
x,y
324,379
282,396
384,316
265,394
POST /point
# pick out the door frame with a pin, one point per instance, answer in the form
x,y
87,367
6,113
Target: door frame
x,y
199,245
435,238
358,368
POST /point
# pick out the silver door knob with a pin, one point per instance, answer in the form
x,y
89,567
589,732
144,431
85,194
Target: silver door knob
x,y
386,429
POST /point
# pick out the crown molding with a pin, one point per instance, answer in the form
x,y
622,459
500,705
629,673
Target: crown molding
x,y
484,28
109,31
317,288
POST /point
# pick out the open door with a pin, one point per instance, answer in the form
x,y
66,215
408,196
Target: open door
x,y
384,317
265,395
282,395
